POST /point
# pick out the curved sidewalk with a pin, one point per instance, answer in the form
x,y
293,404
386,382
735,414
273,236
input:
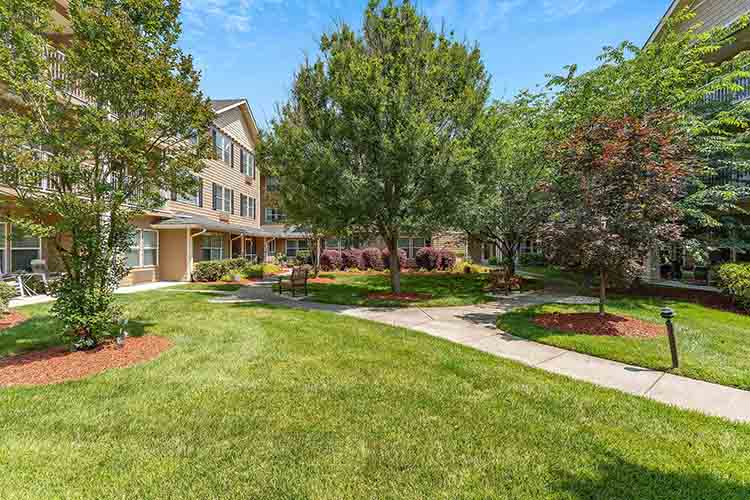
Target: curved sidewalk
x,y
474,326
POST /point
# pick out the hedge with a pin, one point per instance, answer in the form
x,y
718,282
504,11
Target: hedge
x,y
402,260
214,270
331,260
734,280
352,258
428,258
373,258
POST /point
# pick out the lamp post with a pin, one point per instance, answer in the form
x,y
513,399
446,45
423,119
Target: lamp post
x,y
668,314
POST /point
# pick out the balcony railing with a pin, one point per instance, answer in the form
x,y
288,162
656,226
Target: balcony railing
x,y
728,177
730,96
57,72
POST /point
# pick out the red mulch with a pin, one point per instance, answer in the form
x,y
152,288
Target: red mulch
x,y
404,297
11,319
322,280
58,364
593,324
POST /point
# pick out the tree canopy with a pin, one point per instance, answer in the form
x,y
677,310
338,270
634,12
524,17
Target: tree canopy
x,y
376,136
100,132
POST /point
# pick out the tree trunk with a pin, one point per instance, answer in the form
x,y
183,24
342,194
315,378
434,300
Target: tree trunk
x,y
602,291
395,265
316,269
510,259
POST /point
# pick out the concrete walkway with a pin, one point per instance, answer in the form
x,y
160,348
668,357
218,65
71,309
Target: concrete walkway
x,y
143,287
474,326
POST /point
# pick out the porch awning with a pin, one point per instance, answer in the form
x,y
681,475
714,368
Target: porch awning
x,y
191,221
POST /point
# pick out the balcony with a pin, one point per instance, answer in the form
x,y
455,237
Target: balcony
x,y
57,72
730,96
728,177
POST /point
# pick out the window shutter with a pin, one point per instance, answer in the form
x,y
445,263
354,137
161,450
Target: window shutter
x,y
252,163
200,193
215,189
231,155
231,203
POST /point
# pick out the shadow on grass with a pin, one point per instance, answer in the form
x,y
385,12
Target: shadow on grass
x,y
618,479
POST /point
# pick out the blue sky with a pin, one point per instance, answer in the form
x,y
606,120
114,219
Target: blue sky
x,y
251,48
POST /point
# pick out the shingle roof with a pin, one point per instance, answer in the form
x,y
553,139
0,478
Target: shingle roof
x,y
182,220
219,104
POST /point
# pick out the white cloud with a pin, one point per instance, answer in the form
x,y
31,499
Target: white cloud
x,y
473,16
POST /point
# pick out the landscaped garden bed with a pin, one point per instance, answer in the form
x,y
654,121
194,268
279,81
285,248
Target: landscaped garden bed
x,y
59,364
11,319
712,343
599,324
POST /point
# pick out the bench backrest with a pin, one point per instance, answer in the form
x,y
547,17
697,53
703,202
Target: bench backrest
x,y
299,275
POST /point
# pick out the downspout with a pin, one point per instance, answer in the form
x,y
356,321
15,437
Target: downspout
x,y
190,251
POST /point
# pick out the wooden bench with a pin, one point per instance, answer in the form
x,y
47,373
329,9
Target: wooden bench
x,y
298,280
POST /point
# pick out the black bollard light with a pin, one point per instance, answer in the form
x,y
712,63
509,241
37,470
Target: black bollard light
x,y
668,314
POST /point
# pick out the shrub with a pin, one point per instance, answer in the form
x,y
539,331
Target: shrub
x,y
532,259
216,270
493,261
352,258
331,260
7,292
373,259
428,258
411,263
446,260
734,280
402,260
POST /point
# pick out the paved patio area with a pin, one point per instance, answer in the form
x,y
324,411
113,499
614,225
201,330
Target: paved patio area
x,y
474,326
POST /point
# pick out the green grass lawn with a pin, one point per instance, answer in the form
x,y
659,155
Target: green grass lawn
x,y
713,345
446,289
259,402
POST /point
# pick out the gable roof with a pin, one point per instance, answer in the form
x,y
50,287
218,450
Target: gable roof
x,y
663,21
220,105
223,105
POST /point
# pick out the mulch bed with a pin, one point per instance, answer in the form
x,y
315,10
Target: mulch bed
x,y
403,297
58,364
608,325
11,319
322,280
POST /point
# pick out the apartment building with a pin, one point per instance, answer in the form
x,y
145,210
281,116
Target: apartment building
x,y
711,14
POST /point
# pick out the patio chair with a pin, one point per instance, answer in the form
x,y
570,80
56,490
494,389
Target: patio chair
x,y
39,268
297,280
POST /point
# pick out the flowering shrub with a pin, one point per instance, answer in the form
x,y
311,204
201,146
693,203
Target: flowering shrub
x,y
428,258
331,260
352,259
373,259
446,260
402,260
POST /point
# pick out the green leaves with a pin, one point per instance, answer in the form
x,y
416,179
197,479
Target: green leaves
x,y
376,135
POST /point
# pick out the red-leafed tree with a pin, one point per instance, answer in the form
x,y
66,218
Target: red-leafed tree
x,y
619,185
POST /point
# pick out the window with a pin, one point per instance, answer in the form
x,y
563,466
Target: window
x,y
272,184
224,147
412,245
212,247
274,215
192,198
272,248
223,198
243,205
247,163
252,211
144,249
333,244
294,246
23,249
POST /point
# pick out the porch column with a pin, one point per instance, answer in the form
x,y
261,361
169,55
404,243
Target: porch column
x,y
189,255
